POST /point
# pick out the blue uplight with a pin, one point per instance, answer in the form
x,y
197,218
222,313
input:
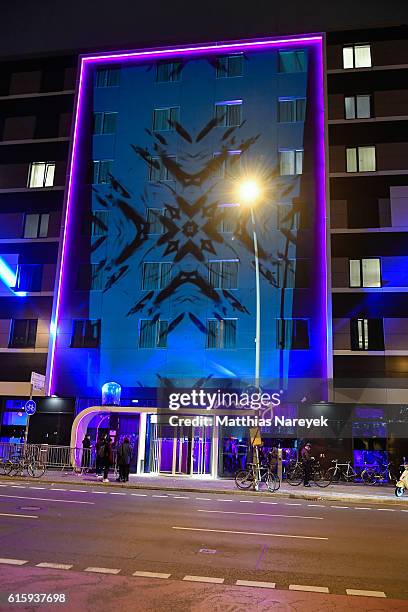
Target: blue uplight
x,y
6,274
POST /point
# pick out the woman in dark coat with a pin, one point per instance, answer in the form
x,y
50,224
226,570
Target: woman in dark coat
x,y
124,459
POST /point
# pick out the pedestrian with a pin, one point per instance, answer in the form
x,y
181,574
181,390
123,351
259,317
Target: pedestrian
x,y
307,460
124,457
100,454
86,452
107,458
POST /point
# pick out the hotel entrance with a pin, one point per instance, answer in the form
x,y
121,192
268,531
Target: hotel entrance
x,y
188,451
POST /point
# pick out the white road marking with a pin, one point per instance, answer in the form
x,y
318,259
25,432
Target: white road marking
x,y
316,518
290,504
180,497
385,509
362,508
159,495
252,533
224,500
37,488
270,503
20,515
254,583
100,492
76,491
18,487
204,579
339,507
151,575
305,587
365,593
49,499
55,566
117,493
316,506
13,561
3,485
404,510
57,489
204,498
139,494
102,570
246,501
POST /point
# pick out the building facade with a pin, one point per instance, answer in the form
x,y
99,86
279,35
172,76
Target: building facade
x,y
155,275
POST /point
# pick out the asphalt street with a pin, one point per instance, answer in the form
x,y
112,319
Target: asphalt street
x,y
326,547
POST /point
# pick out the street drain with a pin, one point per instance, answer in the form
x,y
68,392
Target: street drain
x,y
207,551
29,508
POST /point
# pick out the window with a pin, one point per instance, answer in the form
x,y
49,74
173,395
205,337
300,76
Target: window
x,y
164,118
366,334
357,56
168,72
230,66
99,226
156,275
292,334
102,169
221,333
229,114
86,333
223,274
365,272
41,174
291,162
294,274
153,334
23,333
291,218
107,77
292,61
230,166
360,159
90,277
158,171
29,277
357,107
36,225
228,220
105,123
291,110
155,226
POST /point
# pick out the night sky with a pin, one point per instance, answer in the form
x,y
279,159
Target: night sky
x,y
49,26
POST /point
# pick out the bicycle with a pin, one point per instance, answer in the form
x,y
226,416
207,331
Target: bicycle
x,y
379,475
17,465
295,474
341,470
253,475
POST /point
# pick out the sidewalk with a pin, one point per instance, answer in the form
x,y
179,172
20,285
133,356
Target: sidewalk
x,y
335,492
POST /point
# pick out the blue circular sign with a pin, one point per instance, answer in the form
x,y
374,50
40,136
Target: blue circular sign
x,y
30,407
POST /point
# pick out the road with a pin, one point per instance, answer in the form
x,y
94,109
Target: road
x,y
210,541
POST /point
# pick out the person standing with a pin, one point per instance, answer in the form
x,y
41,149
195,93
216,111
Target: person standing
x,y
124,458
100,454
307,459
107,458
86,452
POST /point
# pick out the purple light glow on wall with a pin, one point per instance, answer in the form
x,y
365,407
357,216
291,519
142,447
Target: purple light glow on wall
x,y
191,51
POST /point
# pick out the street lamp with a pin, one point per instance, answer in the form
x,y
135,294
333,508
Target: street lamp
x,y
249,192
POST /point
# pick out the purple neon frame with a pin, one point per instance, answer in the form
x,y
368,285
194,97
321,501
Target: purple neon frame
x,y
192,51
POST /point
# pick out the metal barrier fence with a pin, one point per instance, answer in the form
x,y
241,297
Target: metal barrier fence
x,y
54,457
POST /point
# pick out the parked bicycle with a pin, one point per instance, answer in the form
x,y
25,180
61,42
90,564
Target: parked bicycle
x,y
341,471
380,474
254,475
295,474
18,464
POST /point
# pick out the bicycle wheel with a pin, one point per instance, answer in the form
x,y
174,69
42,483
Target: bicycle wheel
x,y
295,477
35,470
244,479
321,479
7,467
272,482
368,476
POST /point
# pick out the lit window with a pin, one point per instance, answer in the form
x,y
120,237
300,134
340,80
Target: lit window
x,y
99,225
366,334
228,219
292,61
291,162
105,123
230,165
36,225
156,275
292,334
168,72
164,118
360,159
107,77
86,333
228,114
153,334
158,170
221,333
155,225
357,107
223,274
230,66
29,277
41,174
102,170
23,333
365,272
357,56
291,110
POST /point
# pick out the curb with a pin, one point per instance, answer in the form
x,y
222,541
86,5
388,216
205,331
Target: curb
x,y
279,494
